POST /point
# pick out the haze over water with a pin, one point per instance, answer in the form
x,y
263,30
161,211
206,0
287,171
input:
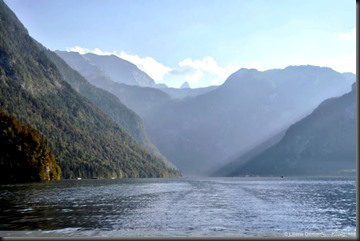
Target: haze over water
x,y
253,206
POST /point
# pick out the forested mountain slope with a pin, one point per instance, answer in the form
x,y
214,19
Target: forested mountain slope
x,y
86,142
24,154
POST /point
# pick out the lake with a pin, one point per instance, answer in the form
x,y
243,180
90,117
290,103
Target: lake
x,y
181,207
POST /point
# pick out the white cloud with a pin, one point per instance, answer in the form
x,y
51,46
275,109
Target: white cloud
x,y
205,68
78,49
149,65
81,50
348,35
198,72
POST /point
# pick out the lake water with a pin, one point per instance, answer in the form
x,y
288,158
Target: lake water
x,y
195,207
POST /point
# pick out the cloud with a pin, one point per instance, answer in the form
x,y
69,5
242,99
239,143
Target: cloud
x,y
348,35
198,72
78,49
81,50
149,65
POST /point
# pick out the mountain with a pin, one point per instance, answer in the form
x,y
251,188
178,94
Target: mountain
x,y
199,134
120,70
24,155
142,100
104,100
109,104
86,142
323,143
185,85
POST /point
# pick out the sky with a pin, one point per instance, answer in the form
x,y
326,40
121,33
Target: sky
x,y
199,41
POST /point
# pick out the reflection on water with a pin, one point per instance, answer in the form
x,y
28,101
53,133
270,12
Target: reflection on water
x,y
182,207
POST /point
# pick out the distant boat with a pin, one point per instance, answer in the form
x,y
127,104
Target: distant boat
x,y
282,176
113,178
79,178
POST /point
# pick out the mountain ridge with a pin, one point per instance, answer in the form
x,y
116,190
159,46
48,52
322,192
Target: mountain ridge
x,y
86,142
141,100
108,103
322,143
248,108
121,70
